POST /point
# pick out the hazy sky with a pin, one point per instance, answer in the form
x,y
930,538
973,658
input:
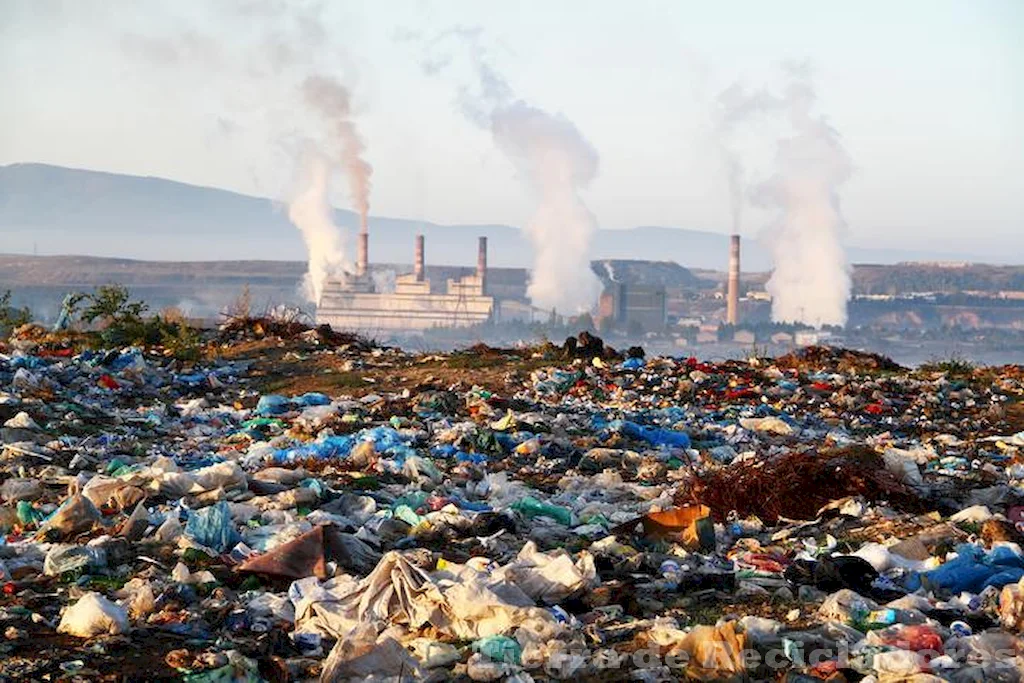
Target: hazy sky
x,y
928,96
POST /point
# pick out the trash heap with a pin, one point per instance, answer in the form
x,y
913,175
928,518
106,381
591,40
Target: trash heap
x,y
592,515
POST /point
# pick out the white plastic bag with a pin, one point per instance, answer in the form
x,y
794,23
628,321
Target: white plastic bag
x,y
93,615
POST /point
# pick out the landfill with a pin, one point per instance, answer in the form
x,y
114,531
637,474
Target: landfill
x,y
299,505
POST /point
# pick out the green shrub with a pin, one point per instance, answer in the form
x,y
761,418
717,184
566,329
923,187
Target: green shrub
x,y
12,317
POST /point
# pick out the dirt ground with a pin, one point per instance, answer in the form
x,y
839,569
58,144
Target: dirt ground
x,y
290,368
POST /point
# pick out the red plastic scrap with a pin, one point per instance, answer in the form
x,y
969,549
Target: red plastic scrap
x,y
735,394
108,382
917,638
766,562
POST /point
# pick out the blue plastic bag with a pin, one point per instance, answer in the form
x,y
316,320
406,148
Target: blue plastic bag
x,y
212,527
273,404
312,398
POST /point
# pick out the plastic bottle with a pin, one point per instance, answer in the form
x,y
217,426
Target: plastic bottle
x,y
530,507
859,614
881,617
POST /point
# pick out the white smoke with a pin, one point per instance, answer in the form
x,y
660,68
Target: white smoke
x,y
810,280
310,212
384,281
284,48
557,163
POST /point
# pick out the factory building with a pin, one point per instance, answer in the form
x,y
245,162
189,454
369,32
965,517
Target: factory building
x,y
353,302
633,305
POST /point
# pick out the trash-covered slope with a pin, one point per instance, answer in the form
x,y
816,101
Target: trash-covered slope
x,y
303,505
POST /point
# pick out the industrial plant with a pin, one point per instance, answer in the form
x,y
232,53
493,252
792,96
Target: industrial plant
x,y
411,302
355,302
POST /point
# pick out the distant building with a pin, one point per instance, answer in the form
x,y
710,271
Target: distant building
x,y
510,310
628,305
744,337
811,337
704,337
355,303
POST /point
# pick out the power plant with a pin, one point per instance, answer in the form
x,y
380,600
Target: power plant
x,y
365,302
355,303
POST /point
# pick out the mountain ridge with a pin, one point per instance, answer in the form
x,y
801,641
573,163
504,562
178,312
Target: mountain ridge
x,y
100,213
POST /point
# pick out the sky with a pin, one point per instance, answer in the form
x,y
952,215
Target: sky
x,y
927,95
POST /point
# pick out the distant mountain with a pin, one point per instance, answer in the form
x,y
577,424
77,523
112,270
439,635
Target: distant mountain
x,y
56,210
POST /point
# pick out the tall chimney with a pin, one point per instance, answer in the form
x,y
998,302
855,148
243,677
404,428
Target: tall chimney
x,y
417,268
363,255
481,263
732,306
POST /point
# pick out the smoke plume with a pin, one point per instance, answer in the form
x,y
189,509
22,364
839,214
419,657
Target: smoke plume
x,y
736,105
556,163
810,280
310,212
277,47
333,102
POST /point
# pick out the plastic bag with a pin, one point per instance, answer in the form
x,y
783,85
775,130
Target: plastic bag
x,y
549,577
77,515
212,527
273,404
715,653
499,649
358,656
70,558
16,489
93,615
530,507
1011,607
137,597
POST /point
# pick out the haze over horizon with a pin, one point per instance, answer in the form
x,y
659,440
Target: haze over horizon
x,y
928,98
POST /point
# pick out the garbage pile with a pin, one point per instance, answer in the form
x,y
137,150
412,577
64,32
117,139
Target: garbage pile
x,y
575,514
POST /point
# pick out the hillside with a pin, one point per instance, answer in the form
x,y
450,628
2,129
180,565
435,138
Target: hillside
x,y
55,210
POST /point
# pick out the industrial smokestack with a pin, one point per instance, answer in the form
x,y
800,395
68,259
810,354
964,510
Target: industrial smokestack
x,y
363,256
417,268
481,263
732,306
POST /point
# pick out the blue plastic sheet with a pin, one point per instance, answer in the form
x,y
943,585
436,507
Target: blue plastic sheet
x,y
656,436
972,570
212,527
273,404
632,363
328,448
313,398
